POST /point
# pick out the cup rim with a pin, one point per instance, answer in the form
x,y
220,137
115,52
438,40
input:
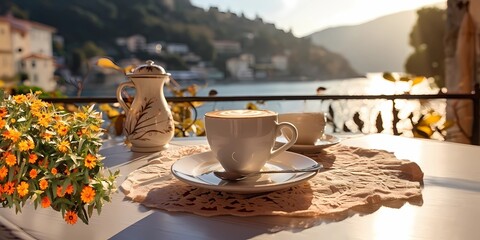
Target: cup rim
x,y
302,113
270,114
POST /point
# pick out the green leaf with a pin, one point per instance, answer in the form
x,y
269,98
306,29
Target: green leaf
x,y
99,207
90,210
81,214
65,185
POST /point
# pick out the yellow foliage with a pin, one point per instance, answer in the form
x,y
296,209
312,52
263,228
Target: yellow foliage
x,y
107,63
417,80
430,119
128,69
252,106
388,76
111,112
448,124
423,131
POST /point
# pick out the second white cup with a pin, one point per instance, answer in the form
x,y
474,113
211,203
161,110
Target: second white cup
x,y
310,126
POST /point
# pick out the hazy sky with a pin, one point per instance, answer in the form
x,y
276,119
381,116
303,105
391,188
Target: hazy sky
x,y
307,16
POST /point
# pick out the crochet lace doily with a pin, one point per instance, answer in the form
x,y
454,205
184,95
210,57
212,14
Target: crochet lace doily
x,y
354,177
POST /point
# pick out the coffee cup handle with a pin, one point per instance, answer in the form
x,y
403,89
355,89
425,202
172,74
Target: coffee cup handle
x,y
290,142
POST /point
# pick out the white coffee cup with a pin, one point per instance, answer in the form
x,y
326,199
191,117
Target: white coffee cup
x,y
310,126
243,140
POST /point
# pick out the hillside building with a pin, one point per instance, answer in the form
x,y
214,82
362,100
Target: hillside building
x,y
133,43
26,47
227,47
177,48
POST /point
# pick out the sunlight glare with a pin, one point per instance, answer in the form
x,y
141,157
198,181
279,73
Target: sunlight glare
x,y
404,223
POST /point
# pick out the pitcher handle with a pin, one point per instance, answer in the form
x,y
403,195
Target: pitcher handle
x,y
290,142
119,94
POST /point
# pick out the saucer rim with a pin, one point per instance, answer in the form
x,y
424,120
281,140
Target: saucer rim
x,y
296,179
299,148
323,145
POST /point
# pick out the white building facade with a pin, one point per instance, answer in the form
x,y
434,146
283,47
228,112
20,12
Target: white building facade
x,y
30,51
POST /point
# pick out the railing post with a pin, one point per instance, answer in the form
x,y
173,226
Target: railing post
x,y
476,114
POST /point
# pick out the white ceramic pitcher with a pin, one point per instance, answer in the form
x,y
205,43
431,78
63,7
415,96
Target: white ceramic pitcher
x,y
149,124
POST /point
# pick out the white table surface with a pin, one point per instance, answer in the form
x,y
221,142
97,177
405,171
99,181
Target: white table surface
x,y
450,209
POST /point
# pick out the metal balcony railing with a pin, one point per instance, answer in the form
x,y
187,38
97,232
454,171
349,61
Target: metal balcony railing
x,y
474,97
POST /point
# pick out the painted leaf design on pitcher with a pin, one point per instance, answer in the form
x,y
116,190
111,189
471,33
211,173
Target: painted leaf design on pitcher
x,y
141,127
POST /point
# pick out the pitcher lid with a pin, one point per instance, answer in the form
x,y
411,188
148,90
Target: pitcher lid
x,y
148,69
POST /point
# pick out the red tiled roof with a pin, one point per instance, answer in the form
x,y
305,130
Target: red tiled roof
x,y
24,25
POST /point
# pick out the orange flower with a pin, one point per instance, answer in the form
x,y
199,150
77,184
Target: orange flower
x,y
31,144
90,161
69,189
2,123
54,171
82,116
32,158
60,193
62,129
37,106
33,173
46,136
45,202
22,189
26,145
71,217
12,134
9,188
88,194
63,146
3,112
10,159
44,119
43,184
20,98
3,172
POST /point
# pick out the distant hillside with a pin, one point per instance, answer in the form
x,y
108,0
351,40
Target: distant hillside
x,y
376,46
101,22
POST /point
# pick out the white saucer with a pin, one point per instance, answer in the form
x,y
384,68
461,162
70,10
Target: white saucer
x,y
326,141
197,170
